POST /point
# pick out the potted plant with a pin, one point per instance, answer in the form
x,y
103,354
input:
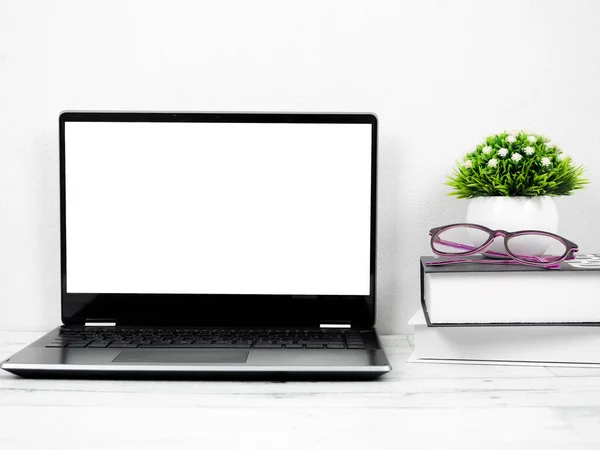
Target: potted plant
x,y
510,179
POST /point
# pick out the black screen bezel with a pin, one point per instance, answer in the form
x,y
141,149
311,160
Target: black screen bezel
x,y
209,309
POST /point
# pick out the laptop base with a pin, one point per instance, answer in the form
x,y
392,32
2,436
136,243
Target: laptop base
x,y
38,361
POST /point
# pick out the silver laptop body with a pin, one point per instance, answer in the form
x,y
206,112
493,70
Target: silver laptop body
x,y
215,245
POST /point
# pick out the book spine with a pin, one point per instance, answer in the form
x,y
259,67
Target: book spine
x,y
423,304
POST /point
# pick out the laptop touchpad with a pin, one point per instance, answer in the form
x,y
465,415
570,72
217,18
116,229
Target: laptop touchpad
x,y
181,357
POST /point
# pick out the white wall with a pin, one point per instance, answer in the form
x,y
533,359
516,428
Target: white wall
x,y
439,74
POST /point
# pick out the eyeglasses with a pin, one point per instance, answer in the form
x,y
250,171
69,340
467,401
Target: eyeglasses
x,y
528,247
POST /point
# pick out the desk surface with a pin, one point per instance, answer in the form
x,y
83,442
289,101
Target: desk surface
x,y
417,405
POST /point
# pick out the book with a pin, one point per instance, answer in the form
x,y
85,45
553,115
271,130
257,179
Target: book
x,y
524,344
487,294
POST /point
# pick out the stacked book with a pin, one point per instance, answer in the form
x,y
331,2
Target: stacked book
x,y
509,313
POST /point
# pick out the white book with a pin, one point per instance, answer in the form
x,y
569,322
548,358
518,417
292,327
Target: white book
x,y
533,344
476,293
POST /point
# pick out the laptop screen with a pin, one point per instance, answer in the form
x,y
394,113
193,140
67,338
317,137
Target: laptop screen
x,y
218,208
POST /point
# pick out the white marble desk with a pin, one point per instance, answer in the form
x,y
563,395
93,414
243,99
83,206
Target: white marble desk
x,y
415,406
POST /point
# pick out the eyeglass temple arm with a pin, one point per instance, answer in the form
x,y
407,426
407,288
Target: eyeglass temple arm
x,y
467,247
483,261
491,252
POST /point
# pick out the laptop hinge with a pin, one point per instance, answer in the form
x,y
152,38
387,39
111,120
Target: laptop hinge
x,y
336,325
96,323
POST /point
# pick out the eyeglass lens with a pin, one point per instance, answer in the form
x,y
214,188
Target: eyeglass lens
x,y
532,247
461,239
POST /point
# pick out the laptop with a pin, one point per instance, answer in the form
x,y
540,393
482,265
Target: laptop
x,y
214,245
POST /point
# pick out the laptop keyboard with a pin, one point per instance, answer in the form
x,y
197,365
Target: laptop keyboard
x,y
96,337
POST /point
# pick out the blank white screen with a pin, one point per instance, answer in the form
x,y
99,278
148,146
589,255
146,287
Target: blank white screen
x,y
218,208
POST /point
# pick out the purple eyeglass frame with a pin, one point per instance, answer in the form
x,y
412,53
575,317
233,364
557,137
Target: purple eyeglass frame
x,y
570,248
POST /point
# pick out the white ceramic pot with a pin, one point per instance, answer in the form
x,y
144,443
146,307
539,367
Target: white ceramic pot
x,y
515,214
